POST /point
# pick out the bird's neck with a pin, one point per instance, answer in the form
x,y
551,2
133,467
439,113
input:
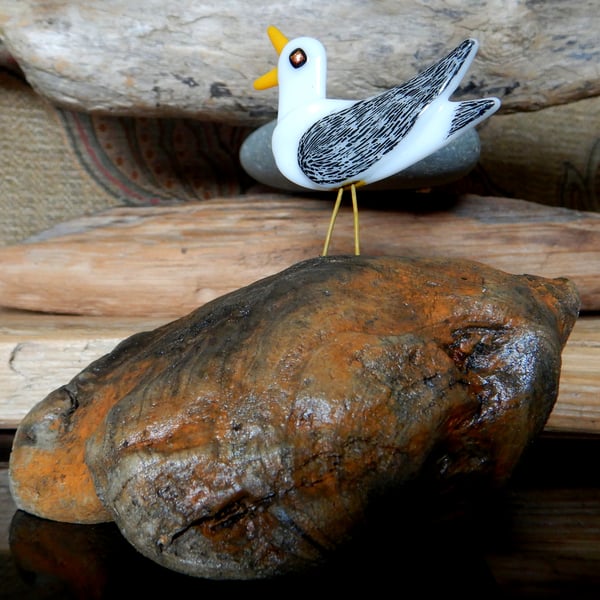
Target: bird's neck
x,y
302,91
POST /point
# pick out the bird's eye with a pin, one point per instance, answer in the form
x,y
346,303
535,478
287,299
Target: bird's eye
x,y
297,58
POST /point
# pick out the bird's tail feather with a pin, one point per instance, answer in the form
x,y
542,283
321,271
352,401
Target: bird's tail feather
x,y
469,113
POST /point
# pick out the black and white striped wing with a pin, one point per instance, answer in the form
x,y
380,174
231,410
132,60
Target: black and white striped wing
x,y
342,145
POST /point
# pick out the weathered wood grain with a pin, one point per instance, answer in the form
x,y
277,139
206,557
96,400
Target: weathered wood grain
x,y
39,353
199,59
166,261
578,408
549,545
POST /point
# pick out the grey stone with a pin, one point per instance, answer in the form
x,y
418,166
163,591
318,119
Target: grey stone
x,y
447,164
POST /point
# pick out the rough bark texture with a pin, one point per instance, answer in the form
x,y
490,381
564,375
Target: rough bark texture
x,y
249,438
199,59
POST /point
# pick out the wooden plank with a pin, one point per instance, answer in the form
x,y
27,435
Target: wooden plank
x,y
549,544
166,261
578,405
38,353
7,509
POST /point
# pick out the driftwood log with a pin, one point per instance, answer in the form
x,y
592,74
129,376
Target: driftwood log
x,y
249,438
198,59
166,261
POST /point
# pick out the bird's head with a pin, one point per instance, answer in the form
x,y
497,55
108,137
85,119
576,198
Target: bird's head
x,y
301,71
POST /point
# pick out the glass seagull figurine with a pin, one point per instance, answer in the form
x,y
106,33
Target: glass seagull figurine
x,y
324,143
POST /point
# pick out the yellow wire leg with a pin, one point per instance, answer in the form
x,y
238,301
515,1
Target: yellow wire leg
x,y
334,214
355,213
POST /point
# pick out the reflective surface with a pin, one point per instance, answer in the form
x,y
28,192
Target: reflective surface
x,y
539,538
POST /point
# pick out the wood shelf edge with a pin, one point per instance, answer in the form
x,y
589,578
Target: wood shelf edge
x,y
39,353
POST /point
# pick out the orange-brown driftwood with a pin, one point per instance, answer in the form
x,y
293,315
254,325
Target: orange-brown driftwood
x,y
251,437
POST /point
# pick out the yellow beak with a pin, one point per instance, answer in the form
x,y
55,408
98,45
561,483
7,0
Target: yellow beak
x,y
269,80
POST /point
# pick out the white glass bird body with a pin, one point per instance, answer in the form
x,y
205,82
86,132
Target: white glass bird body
x,y
322,143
